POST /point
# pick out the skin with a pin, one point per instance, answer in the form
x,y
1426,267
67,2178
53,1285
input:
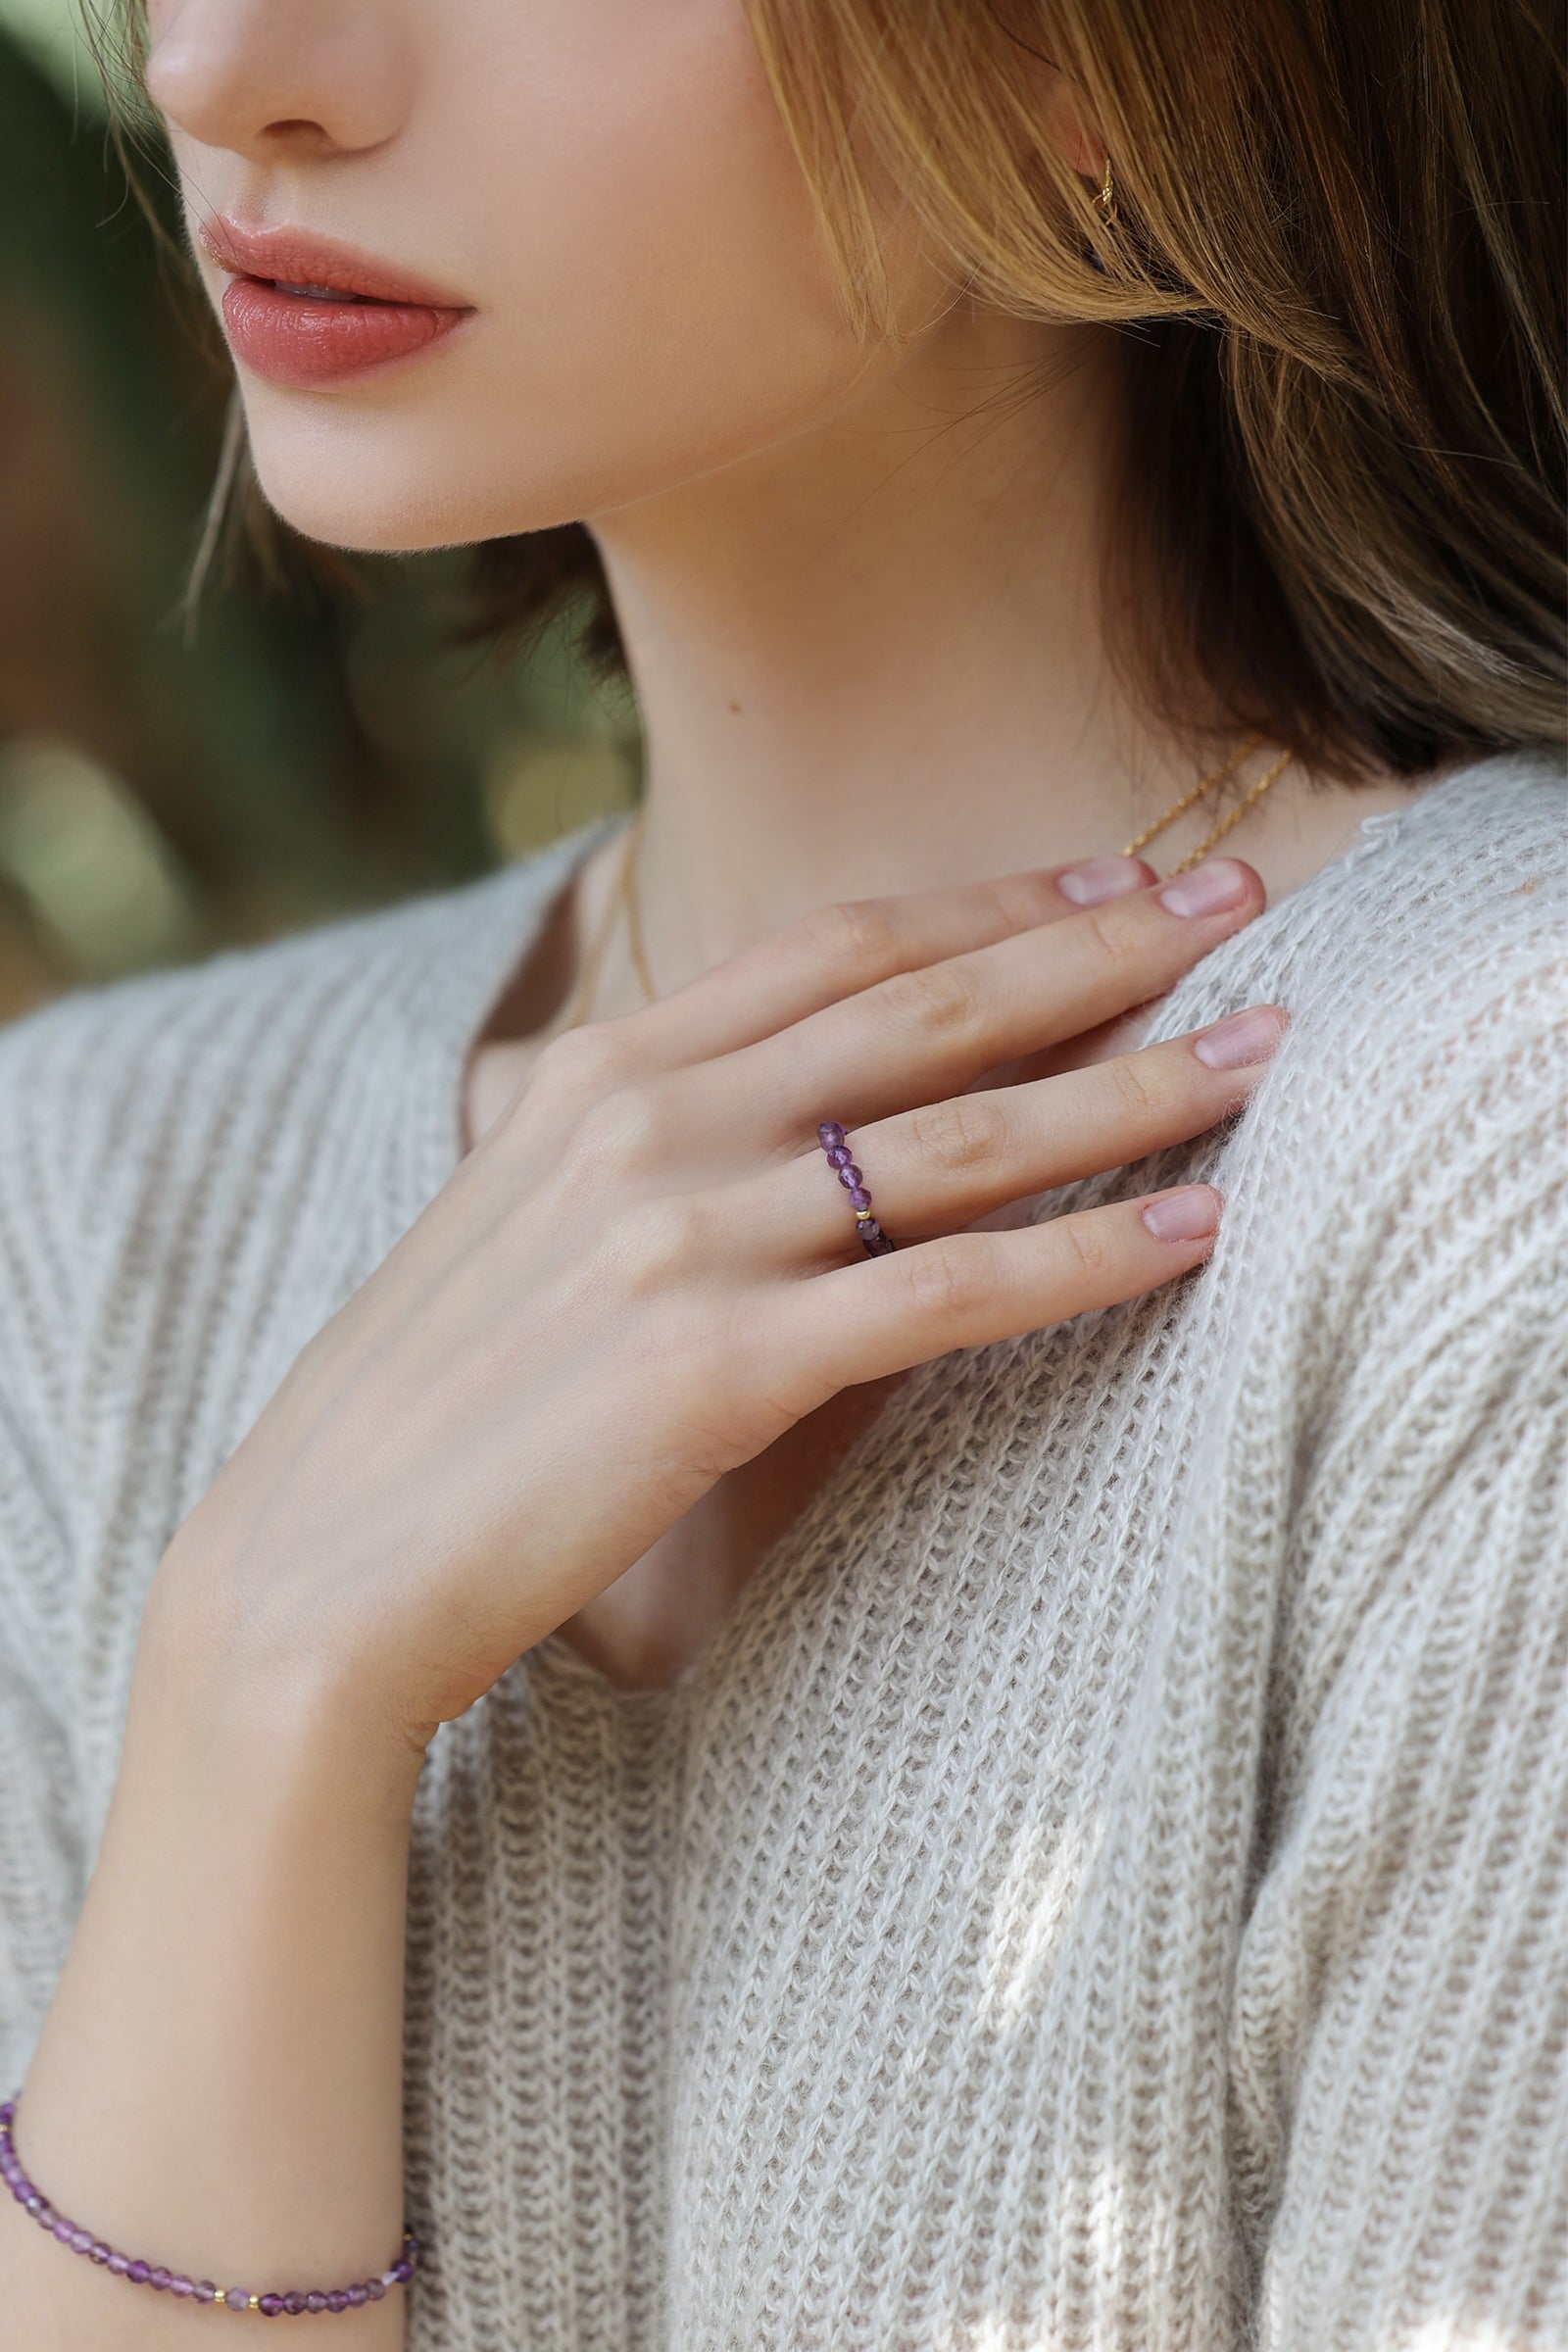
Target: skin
x,y
859,590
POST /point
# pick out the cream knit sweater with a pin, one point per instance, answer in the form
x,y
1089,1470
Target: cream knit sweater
x,y
1107,1883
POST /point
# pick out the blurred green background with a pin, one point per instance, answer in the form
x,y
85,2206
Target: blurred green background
x,y
307,748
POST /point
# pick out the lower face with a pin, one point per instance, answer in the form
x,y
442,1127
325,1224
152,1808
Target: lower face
x,y
606,186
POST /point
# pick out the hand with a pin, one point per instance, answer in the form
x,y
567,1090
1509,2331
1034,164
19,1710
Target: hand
x,y
646,1272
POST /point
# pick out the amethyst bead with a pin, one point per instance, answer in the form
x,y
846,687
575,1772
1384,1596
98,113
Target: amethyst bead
x,y
839,1155
860,1197
850,1175
139,2273
830,1133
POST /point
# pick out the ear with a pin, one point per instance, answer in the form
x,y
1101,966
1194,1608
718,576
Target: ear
x,y
1070,125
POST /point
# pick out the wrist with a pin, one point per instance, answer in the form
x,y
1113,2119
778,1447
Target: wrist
x,y
209,1678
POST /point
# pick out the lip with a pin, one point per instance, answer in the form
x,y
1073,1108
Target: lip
x,y
380,312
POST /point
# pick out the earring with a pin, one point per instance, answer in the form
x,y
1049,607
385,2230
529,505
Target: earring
x,y
1106,198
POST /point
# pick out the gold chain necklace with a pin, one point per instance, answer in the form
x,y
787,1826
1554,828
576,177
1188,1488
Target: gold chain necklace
x,y
623,899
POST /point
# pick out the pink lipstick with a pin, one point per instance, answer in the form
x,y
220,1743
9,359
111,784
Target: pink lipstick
x,y
301,310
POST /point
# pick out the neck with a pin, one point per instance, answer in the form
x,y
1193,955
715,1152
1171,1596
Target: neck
x,y
871,658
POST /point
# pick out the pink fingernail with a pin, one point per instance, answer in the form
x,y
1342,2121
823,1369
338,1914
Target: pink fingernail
x,y
1241,1038
1098,879
1190,1215
1209,889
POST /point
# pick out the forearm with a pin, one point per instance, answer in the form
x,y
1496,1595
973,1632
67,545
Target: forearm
x,y
218,2085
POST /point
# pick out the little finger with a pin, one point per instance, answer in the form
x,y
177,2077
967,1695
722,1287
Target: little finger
x,y
966,1289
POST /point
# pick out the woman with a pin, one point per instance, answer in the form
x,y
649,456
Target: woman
x,y
937,1760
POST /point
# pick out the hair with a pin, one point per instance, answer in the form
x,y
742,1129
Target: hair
x,y
1336,261
1338,255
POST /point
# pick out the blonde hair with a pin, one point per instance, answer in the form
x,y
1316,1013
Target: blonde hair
x,y
1341,228
1338,260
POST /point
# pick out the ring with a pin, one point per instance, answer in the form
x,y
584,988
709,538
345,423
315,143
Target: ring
x,y
840,1159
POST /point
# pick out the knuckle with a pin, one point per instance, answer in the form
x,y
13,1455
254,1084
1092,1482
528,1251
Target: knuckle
x,y
1136,1086
1114,941
621,1132
964,1136
1089,1248
950,1280
1023,902
660,1244
577,1064
854,935
939,999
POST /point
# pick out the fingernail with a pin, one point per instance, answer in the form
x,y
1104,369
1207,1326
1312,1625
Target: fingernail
x,y
1098,879
1241,1038
1218,883
1189,1216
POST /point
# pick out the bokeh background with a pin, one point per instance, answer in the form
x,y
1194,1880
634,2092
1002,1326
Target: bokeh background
x,y
169,782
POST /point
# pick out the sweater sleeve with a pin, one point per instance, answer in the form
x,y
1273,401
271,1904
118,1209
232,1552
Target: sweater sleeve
x,y
42,1846
1399,2060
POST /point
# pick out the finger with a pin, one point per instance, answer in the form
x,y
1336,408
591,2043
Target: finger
x,y
966,1289
939,1167
837,951
932,1031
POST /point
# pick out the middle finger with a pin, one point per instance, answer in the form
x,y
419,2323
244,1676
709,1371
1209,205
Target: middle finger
x,y
940,1168
931,1032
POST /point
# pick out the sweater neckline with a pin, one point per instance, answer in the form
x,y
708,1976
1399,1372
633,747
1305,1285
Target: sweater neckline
x,y
508,911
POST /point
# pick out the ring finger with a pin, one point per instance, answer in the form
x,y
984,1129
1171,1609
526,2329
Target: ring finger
x,y
939,1168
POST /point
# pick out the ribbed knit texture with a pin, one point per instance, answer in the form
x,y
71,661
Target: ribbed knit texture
x,y
1107,1883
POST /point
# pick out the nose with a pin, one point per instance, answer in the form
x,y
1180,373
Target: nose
x,y
269,79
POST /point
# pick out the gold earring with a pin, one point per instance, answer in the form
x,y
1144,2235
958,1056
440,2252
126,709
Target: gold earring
x,y
1106,198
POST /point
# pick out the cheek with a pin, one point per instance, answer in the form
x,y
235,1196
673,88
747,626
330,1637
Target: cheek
x,y
620,195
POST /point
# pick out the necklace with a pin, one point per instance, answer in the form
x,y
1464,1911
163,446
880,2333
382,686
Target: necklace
x,y
624,902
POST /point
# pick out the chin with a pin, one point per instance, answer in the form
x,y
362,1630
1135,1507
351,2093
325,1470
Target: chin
x,y
385,467
348,490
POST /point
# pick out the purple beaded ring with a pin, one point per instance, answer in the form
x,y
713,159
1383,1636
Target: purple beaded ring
x,y
290,2305
840,1159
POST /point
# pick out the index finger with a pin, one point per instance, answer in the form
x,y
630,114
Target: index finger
x,y
836,951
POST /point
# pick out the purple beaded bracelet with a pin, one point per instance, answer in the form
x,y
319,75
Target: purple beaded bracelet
x,y
290,2305
840,1159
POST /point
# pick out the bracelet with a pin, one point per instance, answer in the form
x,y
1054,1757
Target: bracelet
x,y
291,2304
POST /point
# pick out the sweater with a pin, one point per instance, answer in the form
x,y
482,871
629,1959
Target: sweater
x,y
1105,1882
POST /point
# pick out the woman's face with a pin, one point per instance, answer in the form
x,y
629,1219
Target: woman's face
x,y
602,188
